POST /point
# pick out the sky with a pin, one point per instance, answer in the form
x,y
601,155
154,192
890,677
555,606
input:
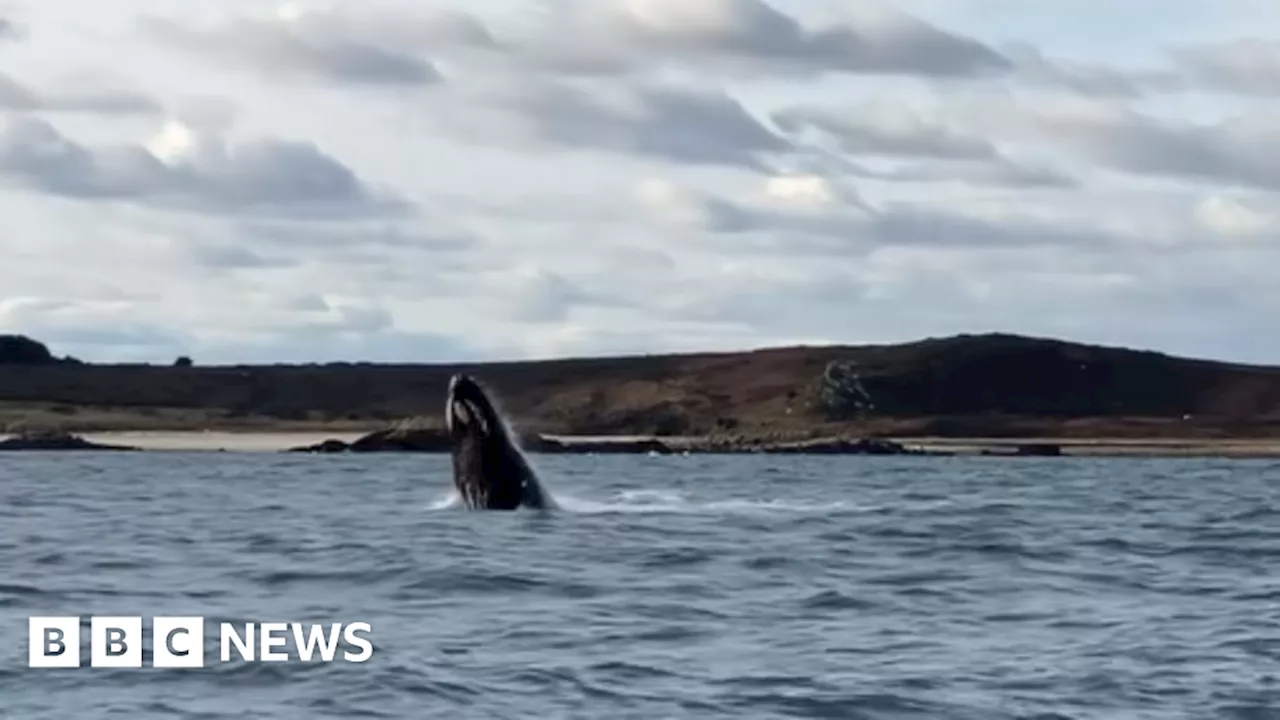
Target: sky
x,y
391,181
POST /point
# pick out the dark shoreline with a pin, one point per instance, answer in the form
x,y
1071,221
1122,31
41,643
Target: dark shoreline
x,y
965,386
186,441
433,441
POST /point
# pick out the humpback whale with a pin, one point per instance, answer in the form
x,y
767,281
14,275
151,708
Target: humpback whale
x,y
489,471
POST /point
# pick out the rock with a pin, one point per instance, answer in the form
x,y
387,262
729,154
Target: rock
x,y
603,447
841,393
328,446
404,439
428,440
54,440
841,446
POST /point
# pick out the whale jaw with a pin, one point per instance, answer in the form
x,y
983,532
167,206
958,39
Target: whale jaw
x,y
489,471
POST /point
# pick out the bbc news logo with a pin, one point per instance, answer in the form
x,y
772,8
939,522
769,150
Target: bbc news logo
x,y
178,642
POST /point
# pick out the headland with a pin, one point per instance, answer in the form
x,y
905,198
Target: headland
x,y
992,393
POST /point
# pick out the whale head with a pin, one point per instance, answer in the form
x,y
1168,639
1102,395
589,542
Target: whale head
x,y
469,413
489,471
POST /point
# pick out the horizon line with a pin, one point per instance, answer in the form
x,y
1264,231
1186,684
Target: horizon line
x,y
640,355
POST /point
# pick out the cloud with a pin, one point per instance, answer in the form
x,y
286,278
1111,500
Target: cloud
x,y
1236,219
887,130
848,230
183,170
620,36
1091,79
1249,66
224,256
77,325
533,294
295,47
1243,150
581,37
16,96
440,29
925,149
322,329
588,176
654,121
1000,172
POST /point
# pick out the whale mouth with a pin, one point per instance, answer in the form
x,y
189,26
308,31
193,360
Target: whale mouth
x,y
467,409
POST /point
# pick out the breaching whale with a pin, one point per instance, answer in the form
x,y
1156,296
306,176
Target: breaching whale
x,y
489,470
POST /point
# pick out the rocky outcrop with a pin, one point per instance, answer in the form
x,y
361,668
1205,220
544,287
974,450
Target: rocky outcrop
x,y
401,438
395,439
54,440
842,446
841,393
601,447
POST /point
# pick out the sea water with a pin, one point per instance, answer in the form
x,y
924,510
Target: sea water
x,y
665,587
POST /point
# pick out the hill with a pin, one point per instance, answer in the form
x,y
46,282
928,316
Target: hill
x,y
991,385
22,350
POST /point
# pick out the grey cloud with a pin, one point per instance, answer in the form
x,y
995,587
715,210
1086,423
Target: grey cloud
x,y
534,293
93,340
291,345
884,131
1249,66
358,319
395,253
227,256
319,52
134,337
345,335
1087,79
378,237
270,177
660,122
933,150
1245,66
18,96
1001,172
913,225
438,30
544,296
614,36
1243,151
839,231
800,303
594,37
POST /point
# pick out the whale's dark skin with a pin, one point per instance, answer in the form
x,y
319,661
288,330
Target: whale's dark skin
x,y
489,471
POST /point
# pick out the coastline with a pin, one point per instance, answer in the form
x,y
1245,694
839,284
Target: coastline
x,y
280,441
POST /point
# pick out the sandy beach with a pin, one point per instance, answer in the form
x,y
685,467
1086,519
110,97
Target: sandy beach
x,y
213,441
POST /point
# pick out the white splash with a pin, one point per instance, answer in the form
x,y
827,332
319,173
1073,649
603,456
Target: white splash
x,y
671,502
453,499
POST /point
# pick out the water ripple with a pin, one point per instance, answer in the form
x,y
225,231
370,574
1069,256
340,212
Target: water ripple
x,y
876,588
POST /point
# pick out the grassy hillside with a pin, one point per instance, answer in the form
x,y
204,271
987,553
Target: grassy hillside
x,y
980,385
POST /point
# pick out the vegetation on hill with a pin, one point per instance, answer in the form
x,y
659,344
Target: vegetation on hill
x,y
969,385
22,350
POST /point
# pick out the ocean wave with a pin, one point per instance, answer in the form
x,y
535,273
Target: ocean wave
x,y
715,588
